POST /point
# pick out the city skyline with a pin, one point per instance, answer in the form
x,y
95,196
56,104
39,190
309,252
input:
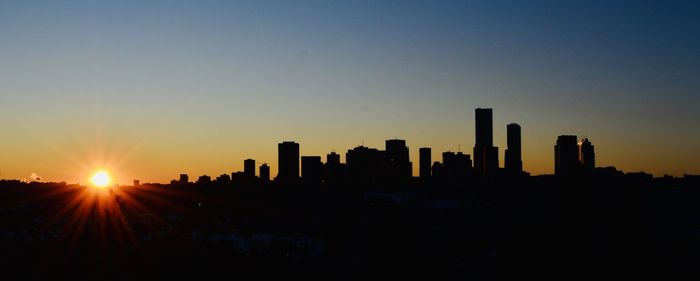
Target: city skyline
x,y
579,155
574,158
152,90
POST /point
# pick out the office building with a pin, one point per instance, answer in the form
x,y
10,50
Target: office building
x,y
485,154
333,171
586,155
513,157
311,170
333,158
425,155
484,127
366,165
399,165
288,161
265,172
249,168
566,156
456,166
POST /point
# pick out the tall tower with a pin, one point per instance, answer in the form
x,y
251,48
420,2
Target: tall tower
x,y
586,155
288,161
485,154
249,168
425,155
484,127
566,156
514,163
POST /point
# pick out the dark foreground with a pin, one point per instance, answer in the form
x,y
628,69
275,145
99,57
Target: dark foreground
x,y
533,228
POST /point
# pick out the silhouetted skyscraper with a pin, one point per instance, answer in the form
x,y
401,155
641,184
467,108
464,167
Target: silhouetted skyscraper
x,y
438,172
333,158
448,162
396,150
398,159
566,154
366,165
463,167
311,170
288,156
249,168
333,171
514,163
457,166
265,172
485,154
484,127
586,155
425,161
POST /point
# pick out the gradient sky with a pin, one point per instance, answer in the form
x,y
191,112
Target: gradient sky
x,y
151,89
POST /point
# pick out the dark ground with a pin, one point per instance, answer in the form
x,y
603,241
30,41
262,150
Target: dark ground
x,y
535,228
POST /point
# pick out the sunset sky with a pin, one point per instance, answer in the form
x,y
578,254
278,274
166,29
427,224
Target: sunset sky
x,y
152,89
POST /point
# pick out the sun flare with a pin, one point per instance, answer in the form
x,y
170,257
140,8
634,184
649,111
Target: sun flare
x,y
101,179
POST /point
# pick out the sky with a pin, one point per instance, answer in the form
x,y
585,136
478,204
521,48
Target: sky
x,y
152,89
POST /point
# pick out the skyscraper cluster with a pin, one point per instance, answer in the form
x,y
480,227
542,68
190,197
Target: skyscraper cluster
x,y
573,157
370,166
392,166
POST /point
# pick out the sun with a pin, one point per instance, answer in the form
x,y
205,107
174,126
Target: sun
x,y
101,179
